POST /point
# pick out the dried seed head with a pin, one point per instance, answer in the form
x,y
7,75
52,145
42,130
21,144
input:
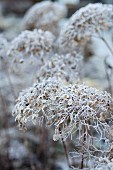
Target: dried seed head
x,y
86,22
66,68
31,43
32,102
77,110
66,107
45,16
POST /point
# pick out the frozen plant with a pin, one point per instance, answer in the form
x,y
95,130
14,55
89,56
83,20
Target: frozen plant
x,y
33,101
83,113
104,163
36,43
66,68
87,22
45,15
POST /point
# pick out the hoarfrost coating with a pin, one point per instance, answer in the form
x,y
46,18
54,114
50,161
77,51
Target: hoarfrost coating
x,y
66,68
87,22
31,43
68,107
44,15
104,163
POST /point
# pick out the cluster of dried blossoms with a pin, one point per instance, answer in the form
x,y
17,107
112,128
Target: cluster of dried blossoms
x,y
31,43
32,102
45,16
87,22
104,163
74,110
66,68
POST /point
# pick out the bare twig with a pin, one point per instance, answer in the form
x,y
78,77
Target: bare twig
x,y
83,145
65,149
107,44
108,70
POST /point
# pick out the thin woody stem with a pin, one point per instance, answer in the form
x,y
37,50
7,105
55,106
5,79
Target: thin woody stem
x,y
107,44
108,77
84,139
104,41
107,74
65,149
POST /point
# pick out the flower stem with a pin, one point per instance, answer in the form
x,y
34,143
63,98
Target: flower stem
x,y
108,70
65,149
107,44
106,65
83,145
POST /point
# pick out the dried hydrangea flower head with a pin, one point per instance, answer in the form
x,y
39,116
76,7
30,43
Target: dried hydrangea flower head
x,y
33,102
104,163
66,68
35,43
44,15
86,22
83,105
77,110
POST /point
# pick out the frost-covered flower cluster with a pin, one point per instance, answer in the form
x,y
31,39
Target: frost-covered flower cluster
x,y
87,22
104,163
45,16
70,108
31,43
74,110
33,102
66,68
